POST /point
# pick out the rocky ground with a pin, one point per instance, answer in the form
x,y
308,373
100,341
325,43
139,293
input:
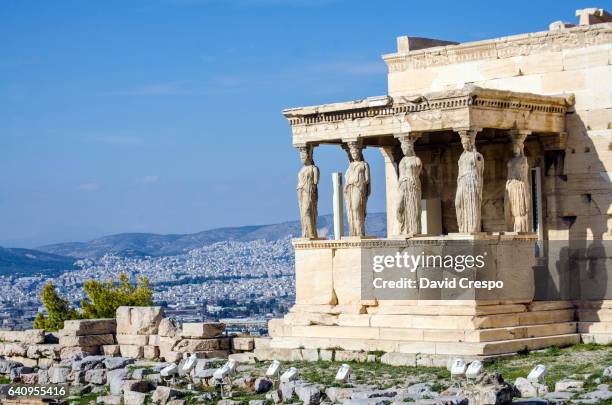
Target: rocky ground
x,y
579,374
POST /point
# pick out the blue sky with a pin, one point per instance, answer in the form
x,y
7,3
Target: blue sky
x,y
165,115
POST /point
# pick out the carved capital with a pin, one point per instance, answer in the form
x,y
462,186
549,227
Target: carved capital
x,y
408,136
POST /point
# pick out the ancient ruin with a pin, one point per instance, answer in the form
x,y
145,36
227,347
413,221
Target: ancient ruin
x,y
513,153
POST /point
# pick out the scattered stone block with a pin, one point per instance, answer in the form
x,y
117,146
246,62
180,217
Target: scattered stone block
x,y
530,389
197,345
58,375
96,376
134,398
132,351
170,370
83,327
109,400
137,340
110,350
202,329
309,394
246,344
69,353
139,320
168,328
569,385
30,336
150,352
50,351
115,380
246,357
163,394
86,340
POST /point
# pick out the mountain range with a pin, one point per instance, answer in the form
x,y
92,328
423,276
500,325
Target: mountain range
x,y
59,257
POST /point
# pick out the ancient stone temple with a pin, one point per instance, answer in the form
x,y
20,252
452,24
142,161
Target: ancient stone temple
x,y
504,142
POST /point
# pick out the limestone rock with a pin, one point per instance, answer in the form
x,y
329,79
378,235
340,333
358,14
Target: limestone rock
x,y
168,328
138,340
309,394
139,320
43,377
96,376
113,363
83,327
202,330
569,385
110,350
7,365
30,336
50,351
132,351
243,343
88,340
58,375
529,389
170,370
109,400
198,345
134,398
115,380
69,353
163,394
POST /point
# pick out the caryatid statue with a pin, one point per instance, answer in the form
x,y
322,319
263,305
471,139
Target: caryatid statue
x,y
517,199
357,190
469,184
307,193
409,188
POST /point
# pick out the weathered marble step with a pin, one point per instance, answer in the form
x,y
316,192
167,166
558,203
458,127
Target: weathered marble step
x,y
595,327
426,347
433,335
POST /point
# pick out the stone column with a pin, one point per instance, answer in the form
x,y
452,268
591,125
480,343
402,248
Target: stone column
x,y
338,208
517,198
357,189
468,198
392,156
408,208
307,192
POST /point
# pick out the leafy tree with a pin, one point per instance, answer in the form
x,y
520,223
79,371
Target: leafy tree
x,y
103,298
58,310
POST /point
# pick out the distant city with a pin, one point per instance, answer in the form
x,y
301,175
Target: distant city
x,y
251,281
243,276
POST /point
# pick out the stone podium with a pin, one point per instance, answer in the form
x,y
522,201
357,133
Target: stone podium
x,y
495,130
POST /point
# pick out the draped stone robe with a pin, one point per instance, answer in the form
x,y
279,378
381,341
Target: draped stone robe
x,y
356,194
308,197
469,191
409,204
517,199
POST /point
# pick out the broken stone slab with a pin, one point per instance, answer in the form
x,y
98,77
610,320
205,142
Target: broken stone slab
x,y
87,363
200,345
150,352
50,351
169,370
86,340
30,336
139,320
246,344
96,376
13,349
202,329
163,394
7,365
168,328
113,363
109,400
530,389
83,327
115,380
73,352
110,350
138,340
58,375
569,385
30,378
132,351
246,357
134,398
309,394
